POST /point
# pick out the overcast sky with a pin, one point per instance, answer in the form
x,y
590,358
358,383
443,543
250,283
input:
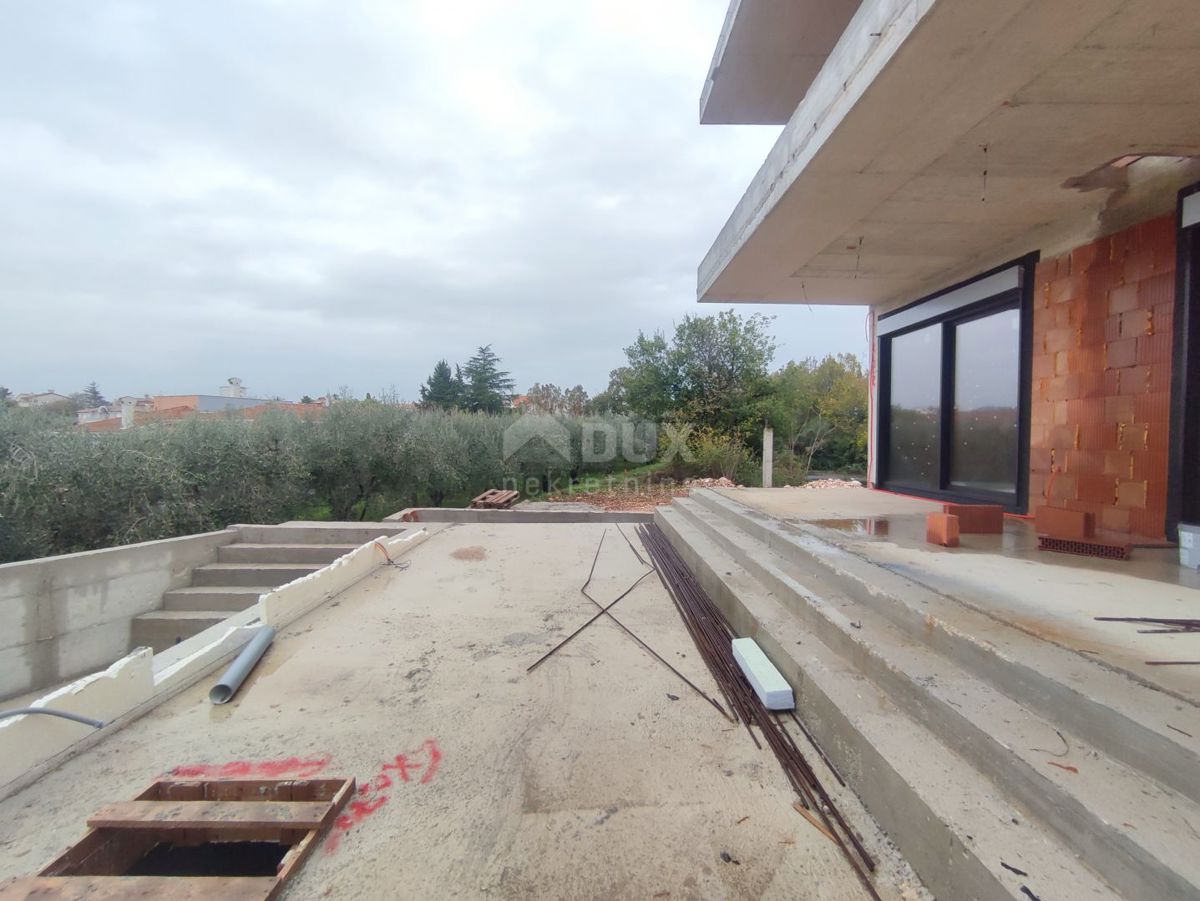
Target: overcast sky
x,y
316,194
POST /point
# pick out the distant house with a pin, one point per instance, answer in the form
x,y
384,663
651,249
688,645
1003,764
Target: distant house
x,y
206,403
95,414
44,399
130,412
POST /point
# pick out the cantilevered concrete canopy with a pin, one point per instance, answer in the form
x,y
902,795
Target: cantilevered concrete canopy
x,y
943,137
768,54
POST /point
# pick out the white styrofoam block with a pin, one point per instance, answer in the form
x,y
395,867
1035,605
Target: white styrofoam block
x,y
768,683
1189,545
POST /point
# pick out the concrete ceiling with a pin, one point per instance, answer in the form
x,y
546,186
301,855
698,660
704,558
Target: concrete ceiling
x,y
938,138
768,54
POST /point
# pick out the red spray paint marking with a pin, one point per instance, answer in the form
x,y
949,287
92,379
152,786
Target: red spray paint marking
x,y
425,761
359,811
267,769
435,758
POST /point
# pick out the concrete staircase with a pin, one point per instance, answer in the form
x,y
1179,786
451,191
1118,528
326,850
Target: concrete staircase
x,y
999,763
263,558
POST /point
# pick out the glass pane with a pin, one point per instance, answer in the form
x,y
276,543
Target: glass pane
x,y
986,385
916,387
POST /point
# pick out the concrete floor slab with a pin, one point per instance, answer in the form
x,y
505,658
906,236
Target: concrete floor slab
x,y
828,503
597,775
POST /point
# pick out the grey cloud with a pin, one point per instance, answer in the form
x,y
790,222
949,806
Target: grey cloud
x,y
313,194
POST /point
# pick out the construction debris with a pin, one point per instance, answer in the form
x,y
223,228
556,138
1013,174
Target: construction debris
x,y
1175,625
768,683
829,483
721,482
495,499
1085,547
605,611
1173,663
714,639
977,519
642,499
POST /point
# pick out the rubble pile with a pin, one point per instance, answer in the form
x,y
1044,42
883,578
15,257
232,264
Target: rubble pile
x,y
829,483
712,483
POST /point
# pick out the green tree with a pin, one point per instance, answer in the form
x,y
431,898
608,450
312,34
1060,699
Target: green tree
x,y
611,400
819,409
714,372
650,382
443,390
575,401
91,396
488,387
547,398
305,399
5,396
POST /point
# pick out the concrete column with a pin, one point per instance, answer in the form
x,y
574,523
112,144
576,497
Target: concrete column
x,y
768,455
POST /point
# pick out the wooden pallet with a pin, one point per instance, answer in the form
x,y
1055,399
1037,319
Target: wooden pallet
x,y
495,499
188,814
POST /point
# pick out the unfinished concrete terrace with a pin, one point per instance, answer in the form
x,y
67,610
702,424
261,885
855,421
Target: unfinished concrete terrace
x,y
1053,596
971,690
981,733
599,774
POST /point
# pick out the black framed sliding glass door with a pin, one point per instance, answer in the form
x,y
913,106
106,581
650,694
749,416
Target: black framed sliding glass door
x,y
915,405
954,392
985,418
1183,485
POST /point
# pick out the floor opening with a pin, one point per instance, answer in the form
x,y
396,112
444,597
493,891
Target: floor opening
x,y
211,859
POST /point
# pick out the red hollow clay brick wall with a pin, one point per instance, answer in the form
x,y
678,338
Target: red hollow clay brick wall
x,y
1102,378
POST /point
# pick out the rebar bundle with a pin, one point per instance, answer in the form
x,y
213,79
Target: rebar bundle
x,y
713,637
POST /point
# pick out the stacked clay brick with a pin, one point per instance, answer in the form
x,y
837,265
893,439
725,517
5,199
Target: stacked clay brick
x,y
1102,334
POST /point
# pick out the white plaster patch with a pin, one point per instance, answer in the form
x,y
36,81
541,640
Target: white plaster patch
x,y
27,741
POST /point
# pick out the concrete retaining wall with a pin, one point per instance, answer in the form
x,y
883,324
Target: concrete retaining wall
x,y
460,514
135,684
288,603
69,615
28,741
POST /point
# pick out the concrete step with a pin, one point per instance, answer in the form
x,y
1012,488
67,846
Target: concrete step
x,y
282,553
227,598
1109,710
1132,830
948,820
273,574
162,629
355,533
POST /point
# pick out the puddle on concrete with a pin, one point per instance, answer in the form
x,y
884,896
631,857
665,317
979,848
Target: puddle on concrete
x,y
877,526
908,531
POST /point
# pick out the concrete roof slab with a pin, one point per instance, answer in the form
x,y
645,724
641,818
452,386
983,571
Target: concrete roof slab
x,y
767,55
921,98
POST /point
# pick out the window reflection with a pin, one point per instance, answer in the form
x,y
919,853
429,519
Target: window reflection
x,y
987,354
916,391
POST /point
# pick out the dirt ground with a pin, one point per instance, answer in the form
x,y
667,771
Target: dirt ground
x,y
598,775
643,500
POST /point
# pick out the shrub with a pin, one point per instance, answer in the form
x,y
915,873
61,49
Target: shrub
x,y
718,454
62,490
